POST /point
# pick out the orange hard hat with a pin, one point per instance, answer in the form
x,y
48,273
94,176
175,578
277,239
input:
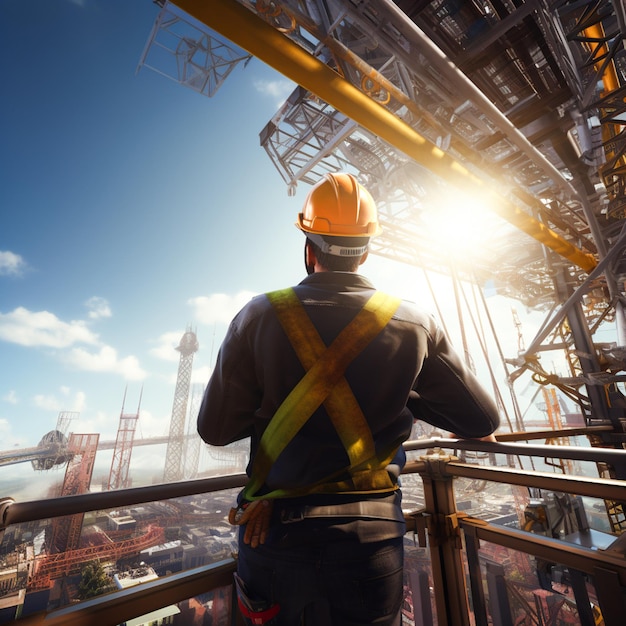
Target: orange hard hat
x,y
339,206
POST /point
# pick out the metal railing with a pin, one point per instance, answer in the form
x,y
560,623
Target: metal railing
x,y
120,606
452,538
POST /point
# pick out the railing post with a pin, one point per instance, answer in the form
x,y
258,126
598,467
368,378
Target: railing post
x,y
476,583
498,596
445,541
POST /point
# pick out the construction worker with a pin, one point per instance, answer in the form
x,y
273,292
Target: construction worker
x,y
327,379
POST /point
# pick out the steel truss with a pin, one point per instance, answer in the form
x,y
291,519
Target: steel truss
x,y
525,99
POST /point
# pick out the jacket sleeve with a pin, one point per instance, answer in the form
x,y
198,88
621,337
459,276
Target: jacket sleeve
x,y
232,394
448,395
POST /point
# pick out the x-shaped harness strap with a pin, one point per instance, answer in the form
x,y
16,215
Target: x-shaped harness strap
x,y
324,382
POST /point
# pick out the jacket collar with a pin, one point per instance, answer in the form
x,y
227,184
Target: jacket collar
x,y
345,281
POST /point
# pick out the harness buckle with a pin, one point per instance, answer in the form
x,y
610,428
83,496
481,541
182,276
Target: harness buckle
x,y
291,516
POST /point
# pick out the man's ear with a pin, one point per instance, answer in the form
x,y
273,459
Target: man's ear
x,y
364,257
309,257
309,254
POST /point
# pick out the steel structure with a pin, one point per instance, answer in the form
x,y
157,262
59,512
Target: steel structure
x,y
456,542
175,444
188,54
522,98
120,463
521,103
54,566
50,452
193,442
66,530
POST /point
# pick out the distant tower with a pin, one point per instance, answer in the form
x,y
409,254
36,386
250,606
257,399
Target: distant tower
x,y
193,441
66,530
120,463
174,454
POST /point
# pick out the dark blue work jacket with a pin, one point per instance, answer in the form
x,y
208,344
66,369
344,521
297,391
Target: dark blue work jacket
x,y
409,371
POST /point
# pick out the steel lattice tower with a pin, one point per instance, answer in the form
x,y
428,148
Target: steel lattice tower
x,y
174,455
120,463
193,441
66,530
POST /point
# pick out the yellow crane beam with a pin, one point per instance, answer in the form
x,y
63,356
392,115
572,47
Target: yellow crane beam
x,y
260,39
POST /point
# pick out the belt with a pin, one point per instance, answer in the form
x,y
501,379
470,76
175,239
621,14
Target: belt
x,y
361,510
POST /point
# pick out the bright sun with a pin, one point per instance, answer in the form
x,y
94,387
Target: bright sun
x,y
459,221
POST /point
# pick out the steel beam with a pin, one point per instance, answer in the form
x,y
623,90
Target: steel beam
x,y
253,34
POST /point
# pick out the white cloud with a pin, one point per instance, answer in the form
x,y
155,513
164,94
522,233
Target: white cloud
x,y
11,264
201,375
105,424
8,440
44,329
41,328
98,307
166,346
219,308
11,397
278,90
148,458
66,402
150,425
105,360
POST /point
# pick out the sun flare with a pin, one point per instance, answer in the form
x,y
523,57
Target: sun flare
x,y
459,222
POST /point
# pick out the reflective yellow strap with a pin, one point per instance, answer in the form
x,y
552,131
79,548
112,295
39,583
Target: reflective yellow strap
x,y
341,405
360,482
326,370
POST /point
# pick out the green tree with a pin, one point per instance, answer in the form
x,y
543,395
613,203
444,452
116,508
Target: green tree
x,y
94,581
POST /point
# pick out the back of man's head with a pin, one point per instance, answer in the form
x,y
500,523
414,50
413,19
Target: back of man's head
x,y
338,218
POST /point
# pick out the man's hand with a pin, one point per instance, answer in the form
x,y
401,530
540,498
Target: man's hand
x,y
490,437
256,517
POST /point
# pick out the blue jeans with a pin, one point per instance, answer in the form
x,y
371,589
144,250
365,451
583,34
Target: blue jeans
x,y
327,583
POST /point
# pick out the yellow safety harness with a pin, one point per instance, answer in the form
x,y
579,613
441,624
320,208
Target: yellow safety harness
x,y
324,382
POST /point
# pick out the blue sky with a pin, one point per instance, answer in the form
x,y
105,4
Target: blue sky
x,y
128,202
131,207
